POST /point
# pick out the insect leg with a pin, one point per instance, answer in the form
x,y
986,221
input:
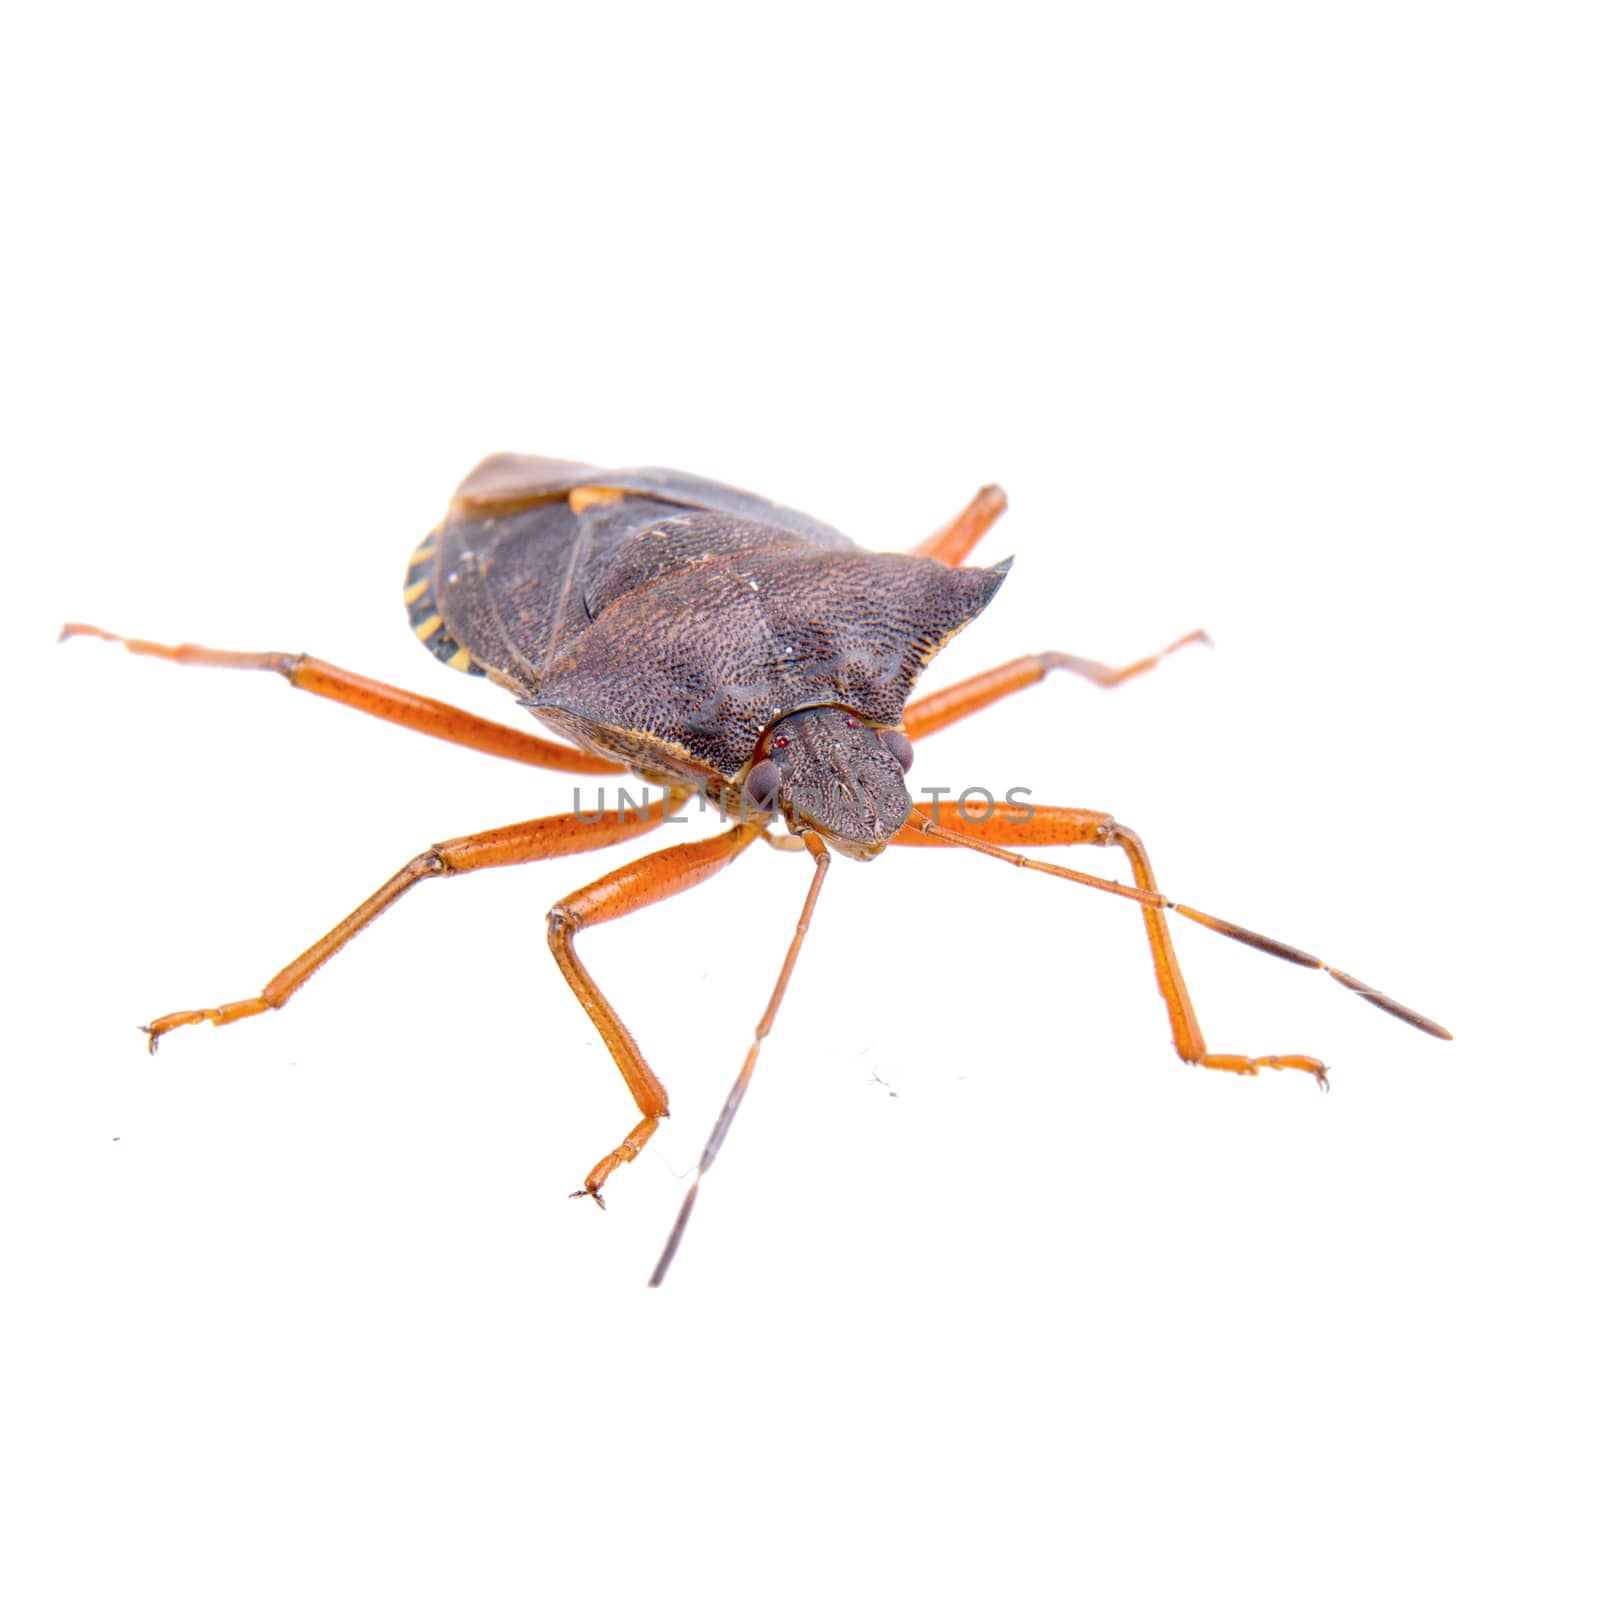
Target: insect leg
x,y
538,840
954,542
1051,825
641,883
944,706
389,704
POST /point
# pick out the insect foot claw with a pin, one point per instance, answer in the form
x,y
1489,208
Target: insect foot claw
x,y
625,1152
1250,1066
234,1011
587,1193
173,1019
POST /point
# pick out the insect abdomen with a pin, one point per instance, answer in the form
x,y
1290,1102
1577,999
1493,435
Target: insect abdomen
x,y
423,609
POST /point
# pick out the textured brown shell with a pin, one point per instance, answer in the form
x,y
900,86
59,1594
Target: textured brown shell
x,y
669,624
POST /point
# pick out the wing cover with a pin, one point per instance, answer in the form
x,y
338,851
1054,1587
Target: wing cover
x,y
681,619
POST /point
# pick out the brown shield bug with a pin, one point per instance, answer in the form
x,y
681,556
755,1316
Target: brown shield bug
x,y
712,642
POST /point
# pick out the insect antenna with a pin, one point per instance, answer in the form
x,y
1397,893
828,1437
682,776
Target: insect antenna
x,y
730,1106
1156,901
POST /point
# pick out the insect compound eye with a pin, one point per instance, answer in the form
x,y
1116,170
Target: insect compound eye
x,y
761,786
897,745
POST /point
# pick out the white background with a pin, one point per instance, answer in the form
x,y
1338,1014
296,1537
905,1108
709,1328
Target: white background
x,y
1272,320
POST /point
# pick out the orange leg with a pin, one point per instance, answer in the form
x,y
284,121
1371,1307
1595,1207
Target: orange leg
x,y
631,888
944,706
954,542
539,840
1051,825
381,700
